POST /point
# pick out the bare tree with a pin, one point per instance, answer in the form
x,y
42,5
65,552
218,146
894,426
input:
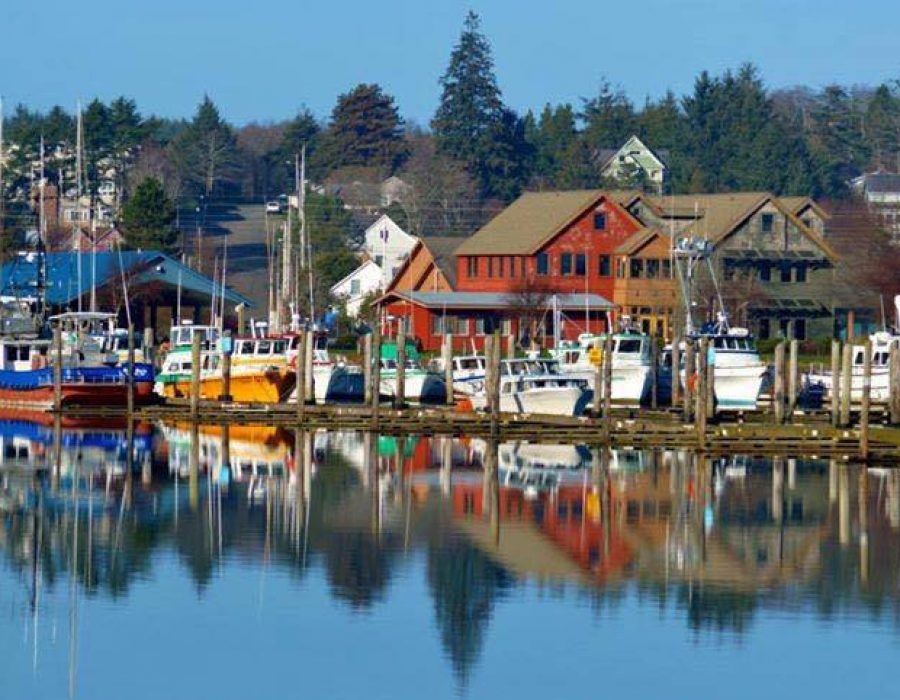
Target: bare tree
x,y
528,302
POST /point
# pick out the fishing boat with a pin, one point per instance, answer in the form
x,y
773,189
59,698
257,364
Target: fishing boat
x,y
419,384
332,380
535,386
259,370
631,363
880,343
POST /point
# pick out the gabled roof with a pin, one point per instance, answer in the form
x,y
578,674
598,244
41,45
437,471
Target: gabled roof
x,y
443,251
493,300
607,154
18,277
368,262
797,205
531,221
637,240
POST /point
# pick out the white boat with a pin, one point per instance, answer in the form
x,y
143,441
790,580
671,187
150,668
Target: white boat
x,y
881,375
531,386
631,363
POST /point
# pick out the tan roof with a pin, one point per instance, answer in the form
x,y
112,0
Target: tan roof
x,y
636,241
528,222
798,204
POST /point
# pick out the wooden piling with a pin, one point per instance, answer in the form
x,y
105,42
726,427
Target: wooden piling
x,y
793,376
240,318
130,377
894,383
57,368
196,360
676,372
510,347
598,388
447,356
400,384
149,346
866,402
308,373
300,390
690,382
778,388
846,382
701,399
607,384
367,368
654,372
226,370
710,388
376,372
835,382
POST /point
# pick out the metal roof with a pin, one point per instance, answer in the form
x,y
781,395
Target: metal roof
x,y
494,300
18,277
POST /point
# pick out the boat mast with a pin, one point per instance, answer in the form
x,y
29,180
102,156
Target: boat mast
x,y
304,232
79,164
2,191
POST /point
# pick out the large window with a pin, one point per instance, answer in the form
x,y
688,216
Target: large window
x,y
765,272
600,221
490,262
800,274
652,269
767,223
637,268
605,266
666,268
565,264
472,266
785,272
354,287
581,264
543,264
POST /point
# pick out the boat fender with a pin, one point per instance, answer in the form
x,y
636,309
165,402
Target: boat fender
x,y
464,406
692,383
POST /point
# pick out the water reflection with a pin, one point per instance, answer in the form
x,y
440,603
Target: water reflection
x,y
723,541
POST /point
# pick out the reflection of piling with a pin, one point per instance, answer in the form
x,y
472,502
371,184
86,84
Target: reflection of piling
x,y
607,386
56,467
863,507
846,382
835,382
843,505
778,389
866,402
777,489
446,464
400,384
447,355
491,489
57,368
195,375
194,467
130,376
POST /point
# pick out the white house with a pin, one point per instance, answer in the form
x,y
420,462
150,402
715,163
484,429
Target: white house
x,y
364,280
388,245
634,158
881,192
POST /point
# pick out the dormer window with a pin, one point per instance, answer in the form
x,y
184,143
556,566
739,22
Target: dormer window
x,y
600,221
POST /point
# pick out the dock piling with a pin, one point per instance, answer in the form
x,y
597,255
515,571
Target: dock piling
x,y
866,402
701,406
654,372
846,382
447,355
607,385
308,384
835,382
778,388
196,360
367,368
676,371
894,382
300,390
689,379
400,389
130,377
149,346
57,368
226,372
710,382
376,372
793,375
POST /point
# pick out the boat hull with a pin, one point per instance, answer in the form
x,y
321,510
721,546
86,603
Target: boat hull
x,y
737,388
630,384
556,401
270,386
880,386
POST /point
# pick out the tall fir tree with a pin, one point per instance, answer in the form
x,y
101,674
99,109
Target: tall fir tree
x,y
472,124
883,128
147,218
205,152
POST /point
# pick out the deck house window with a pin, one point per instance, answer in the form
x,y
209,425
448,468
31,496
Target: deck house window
x,y
581,264
666,269
512,266
765,272
565,264
605,266
543,263
785,272
637,268
767,223
600,221
490,262
472,266
652,269
800,274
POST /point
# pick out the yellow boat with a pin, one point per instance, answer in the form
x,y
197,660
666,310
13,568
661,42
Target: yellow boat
x,y
248,384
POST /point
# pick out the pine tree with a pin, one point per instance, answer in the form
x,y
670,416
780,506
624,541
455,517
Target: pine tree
x,y
205,152
550,139
365,130
836,138
609,118
147,218
471,123
883,128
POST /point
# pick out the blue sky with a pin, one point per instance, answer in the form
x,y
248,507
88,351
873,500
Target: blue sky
x,y
261,60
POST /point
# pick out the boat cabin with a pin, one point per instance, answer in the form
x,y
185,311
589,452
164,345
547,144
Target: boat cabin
x,y
21,355
183,335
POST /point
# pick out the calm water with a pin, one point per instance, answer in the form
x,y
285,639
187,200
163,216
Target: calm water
x,y
341,566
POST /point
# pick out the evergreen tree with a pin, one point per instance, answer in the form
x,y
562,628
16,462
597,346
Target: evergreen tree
x,y
578,168
836,138
147,218
365,130
883,128
205,152
471,123
609,118
551,139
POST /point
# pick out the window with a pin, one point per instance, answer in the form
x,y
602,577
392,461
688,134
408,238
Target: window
x,y
462,326
581,265
354,287
800,274
764,329
666,269
379,260
765,272
785,272
728,271
512,266
506,326
808,223
767,222
472,266
543,263
605,266
490,262
637,268
565,264
620,267
652,269
800,328
439,325
600,221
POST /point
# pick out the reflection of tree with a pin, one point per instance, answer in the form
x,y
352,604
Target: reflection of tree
x,y
465,584
358,567
717,608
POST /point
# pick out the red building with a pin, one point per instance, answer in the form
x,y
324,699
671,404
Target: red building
x,y
545,249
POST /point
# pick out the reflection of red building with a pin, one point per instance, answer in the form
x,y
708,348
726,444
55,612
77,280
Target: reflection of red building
x,y
569,517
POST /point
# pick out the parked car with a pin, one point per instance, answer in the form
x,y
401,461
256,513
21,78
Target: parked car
x,y
273,207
